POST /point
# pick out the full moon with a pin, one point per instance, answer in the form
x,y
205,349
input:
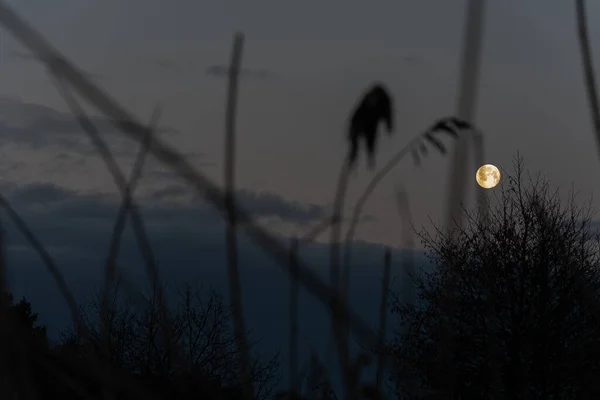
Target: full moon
x,y
487,176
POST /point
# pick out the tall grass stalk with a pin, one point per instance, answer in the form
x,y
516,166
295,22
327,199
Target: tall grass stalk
x,y
339,325
4,347
136,219
482,197
408,243
293,340
124,208
119,226
48,261
587,63
383,311
233,273
466,103
362,201
408,294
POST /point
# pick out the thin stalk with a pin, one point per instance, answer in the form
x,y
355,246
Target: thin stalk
x,y
408,261
362,201
317,230
121,183
3,280
467,100
294,293
587,63
466,103
235,287
408,243
383,308
49,262
482,198
5,385
119,226
339,330
336,227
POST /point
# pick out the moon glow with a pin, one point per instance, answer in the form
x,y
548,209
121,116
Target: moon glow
x,y
487,176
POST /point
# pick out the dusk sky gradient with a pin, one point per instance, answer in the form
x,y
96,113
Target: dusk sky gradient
x,y
319,57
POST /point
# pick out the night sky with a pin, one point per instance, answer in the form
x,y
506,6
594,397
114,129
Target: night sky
x,y
306,65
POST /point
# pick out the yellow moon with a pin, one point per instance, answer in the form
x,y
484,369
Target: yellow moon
x,y
487,176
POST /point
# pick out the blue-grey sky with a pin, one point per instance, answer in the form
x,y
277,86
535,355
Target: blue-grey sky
x,y
319,57
291,124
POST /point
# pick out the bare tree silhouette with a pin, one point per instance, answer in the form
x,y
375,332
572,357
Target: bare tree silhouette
x,y
510,299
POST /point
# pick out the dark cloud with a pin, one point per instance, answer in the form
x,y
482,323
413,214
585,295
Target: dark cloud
x,y
39,193
69,204
262,205
41,126
258,204
170,192
161,173
64,219
187,241
272,205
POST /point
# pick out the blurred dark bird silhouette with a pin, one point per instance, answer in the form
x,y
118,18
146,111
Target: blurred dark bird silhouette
x,y
375,107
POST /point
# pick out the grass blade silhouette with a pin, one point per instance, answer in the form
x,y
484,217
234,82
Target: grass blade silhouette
x,y
317,230
36,244
588,68
119,226
408,243
233,273
466,103
98,370
383,310
338,332
4,321
121,183
467,100
482,197
293,342
362,201
126,201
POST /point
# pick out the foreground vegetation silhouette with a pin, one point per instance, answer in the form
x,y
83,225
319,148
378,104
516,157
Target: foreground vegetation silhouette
x,y
511,351
201,323
507,310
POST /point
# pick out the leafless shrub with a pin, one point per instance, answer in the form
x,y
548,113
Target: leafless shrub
x,y
200,326
514,299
